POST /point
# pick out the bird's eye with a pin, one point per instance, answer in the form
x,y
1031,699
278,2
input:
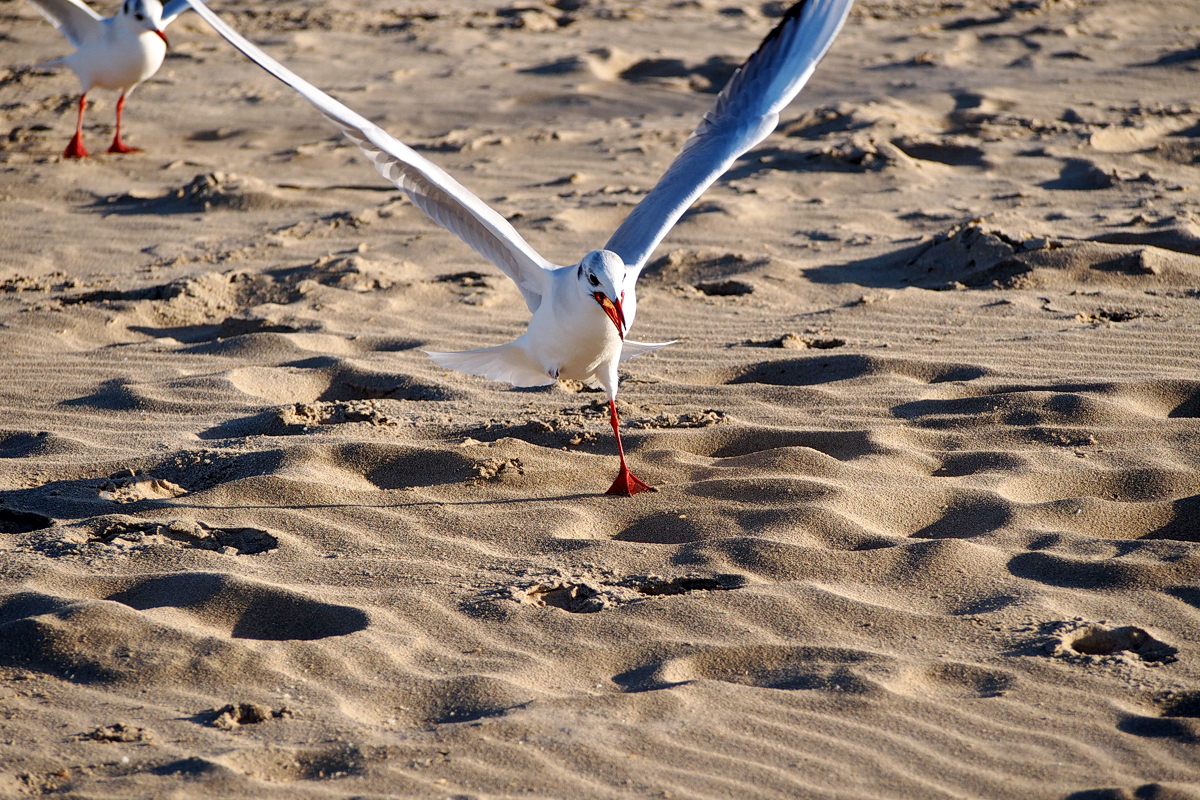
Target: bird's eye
x,y
139,17
594,280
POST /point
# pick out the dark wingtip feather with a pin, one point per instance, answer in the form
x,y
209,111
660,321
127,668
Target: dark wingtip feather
x,y
791,14
789,17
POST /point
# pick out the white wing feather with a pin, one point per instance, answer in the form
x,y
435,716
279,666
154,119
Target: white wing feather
x,y
73,19
507,362
746,110
630,348
441,197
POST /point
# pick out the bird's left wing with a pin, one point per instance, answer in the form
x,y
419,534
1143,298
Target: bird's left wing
x,y
73,19
173,9
746,110
442,198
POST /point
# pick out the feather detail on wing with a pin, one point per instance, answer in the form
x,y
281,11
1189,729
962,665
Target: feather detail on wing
x,y
630,348
172,10
746,110
73,19
441,197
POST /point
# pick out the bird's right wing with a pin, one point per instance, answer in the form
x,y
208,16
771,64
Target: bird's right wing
x,y
73,19
441,197
173,9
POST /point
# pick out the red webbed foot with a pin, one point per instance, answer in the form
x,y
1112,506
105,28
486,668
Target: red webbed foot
x,y
118,146
75,148
628,484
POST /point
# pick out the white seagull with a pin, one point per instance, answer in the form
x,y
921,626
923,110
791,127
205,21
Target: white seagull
x,y
581,312
117,52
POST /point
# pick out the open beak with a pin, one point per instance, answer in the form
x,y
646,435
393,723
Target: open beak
x,y
162,36
614,312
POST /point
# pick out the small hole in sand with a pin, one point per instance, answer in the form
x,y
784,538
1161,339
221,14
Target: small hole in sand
x,y
1100,641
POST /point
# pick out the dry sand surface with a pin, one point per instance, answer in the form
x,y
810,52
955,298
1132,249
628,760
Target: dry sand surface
x,y
928,510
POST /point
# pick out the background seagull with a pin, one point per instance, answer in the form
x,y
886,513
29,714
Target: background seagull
x,y
582,312
117,52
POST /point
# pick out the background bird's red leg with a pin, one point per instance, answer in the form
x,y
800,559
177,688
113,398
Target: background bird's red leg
x,y
75,148
117,145
626,483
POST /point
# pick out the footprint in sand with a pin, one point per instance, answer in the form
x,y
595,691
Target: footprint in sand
x,y
130,532
587,595
1095,643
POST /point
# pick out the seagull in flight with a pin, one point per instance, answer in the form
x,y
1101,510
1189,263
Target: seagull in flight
x,y
582,312
117,52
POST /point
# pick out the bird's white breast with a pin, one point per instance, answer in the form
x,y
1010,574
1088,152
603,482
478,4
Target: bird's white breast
x,y
120,58
571,333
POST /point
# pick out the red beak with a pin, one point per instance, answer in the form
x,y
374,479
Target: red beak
x,y
614,312
162,36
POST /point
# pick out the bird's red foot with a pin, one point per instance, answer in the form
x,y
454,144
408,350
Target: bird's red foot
x,y
628,484
120,147
75,148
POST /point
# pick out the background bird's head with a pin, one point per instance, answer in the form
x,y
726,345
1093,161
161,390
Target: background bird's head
x,y
601,275
146,14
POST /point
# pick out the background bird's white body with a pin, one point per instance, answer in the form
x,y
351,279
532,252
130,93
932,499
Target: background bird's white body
x,y
120,56
116,52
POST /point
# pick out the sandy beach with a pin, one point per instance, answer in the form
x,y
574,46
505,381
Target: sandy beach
x,y
927,452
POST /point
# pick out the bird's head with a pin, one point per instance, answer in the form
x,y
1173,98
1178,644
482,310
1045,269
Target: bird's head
x,y
601,276
146,14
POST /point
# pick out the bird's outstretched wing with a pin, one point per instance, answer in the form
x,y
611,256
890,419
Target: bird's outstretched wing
x,y
73,19
173,9
441,197
746,110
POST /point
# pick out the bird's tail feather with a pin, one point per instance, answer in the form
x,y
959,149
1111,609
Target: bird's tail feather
x,y
508,362
630,348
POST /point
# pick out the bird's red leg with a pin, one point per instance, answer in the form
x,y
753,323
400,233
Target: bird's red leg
x,y
75,148
626,483
117,145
